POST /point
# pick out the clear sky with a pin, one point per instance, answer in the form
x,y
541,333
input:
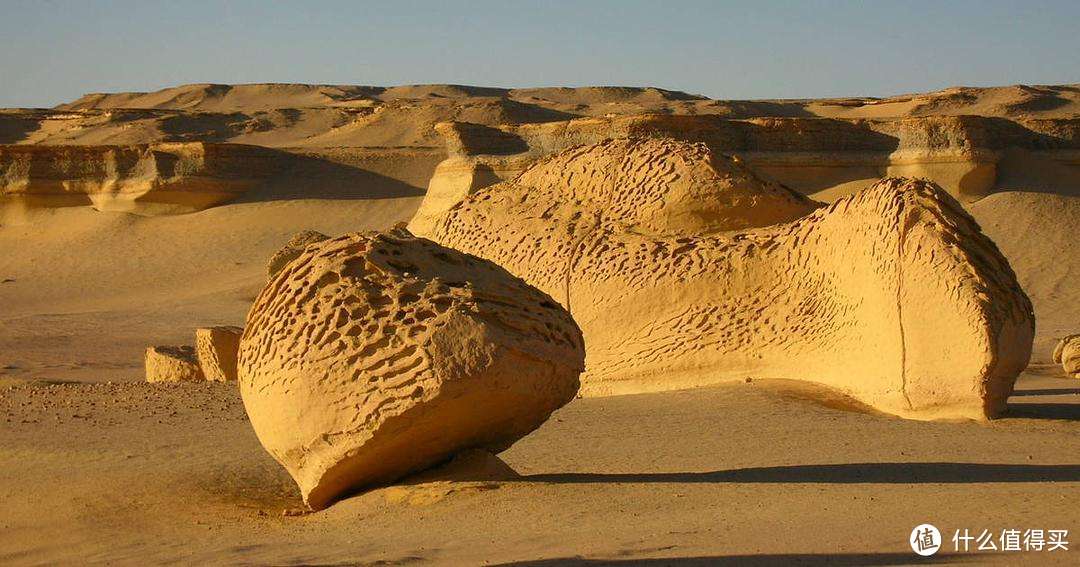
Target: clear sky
x,y
53,51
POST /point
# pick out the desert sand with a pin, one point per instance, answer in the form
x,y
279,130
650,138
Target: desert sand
x,y
129,220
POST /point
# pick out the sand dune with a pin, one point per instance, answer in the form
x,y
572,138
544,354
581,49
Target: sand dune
x,y
281,115
1043,100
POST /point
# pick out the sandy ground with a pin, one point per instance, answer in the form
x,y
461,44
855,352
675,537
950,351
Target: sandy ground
x,y
136,281
138,473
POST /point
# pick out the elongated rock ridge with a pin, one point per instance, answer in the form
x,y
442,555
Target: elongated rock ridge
x,y
374,355
891,295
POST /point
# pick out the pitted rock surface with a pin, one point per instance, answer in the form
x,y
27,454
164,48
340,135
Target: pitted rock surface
x,y
891,295
1067,353
371,356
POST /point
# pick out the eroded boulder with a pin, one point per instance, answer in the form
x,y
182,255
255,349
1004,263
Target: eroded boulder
x,y
371,356
1067,353
216,349
172,364
684,269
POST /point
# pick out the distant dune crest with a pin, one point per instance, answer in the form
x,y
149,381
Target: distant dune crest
x,y
1044,100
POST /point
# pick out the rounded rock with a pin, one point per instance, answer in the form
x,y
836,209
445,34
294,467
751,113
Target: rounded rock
x,y
372,356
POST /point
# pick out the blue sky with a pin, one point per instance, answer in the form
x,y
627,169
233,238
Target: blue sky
x,y
53,51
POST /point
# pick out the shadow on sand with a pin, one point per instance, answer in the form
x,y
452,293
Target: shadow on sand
x,y
1066,412
764,559
847,473
1048,392
312,177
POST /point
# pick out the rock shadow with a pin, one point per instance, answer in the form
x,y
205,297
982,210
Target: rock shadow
x,y
311,177
761,559
844,473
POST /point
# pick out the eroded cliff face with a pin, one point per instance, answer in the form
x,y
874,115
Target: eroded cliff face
x,y
825,148
823,157
144,179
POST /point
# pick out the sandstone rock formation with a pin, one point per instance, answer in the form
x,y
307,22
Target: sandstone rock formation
x,y
292,250
145,179
966,155
1067,354
680,189
372,356
172,364
216,349
892,295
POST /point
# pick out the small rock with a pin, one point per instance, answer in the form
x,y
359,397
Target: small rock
x,y
1067,353
172,364
216,349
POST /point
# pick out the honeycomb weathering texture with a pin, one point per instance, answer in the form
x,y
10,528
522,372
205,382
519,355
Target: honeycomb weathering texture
x,y
292,249
679,188
371,356
1067,353
891,295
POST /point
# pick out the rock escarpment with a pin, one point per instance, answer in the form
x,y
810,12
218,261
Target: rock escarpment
x,y
891,295
371,356
966,155
145,179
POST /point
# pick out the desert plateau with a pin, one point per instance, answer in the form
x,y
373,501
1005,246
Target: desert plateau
x,y
291,323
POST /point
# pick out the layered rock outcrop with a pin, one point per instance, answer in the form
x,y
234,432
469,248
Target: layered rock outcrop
x,y
146,179
891,295
371,356
963,154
